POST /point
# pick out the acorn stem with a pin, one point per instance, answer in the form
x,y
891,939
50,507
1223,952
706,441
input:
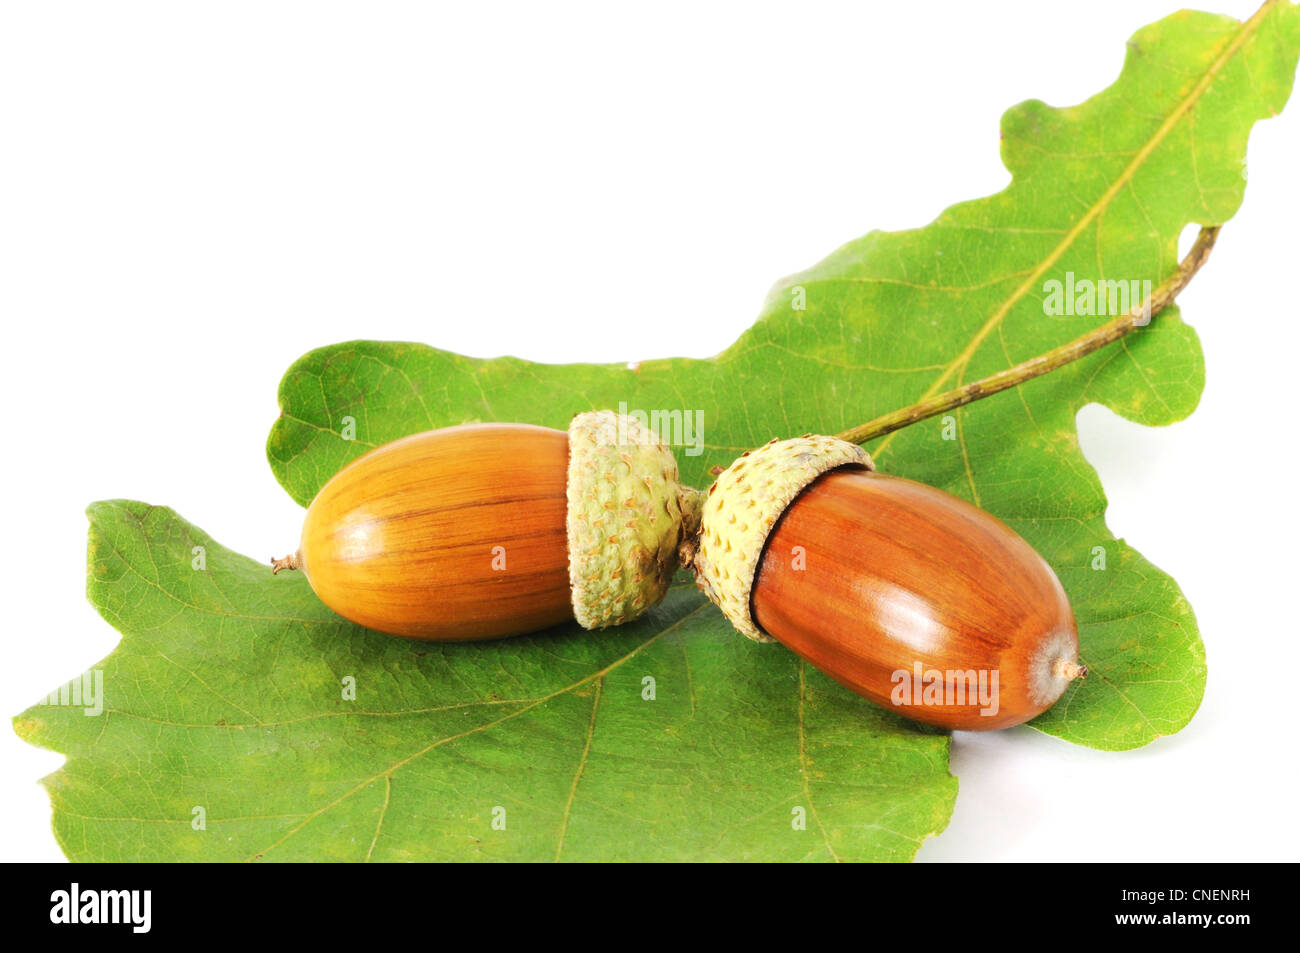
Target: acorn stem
x,y
1111,331
291,561
1068,669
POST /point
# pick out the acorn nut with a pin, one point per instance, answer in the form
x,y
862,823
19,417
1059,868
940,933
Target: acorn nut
x,y
488,530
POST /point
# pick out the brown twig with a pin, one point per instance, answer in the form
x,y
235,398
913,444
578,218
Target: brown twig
x,y
1098,338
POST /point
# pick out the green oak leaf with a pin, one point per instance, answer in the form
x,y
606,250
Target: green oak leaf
x,y
225,691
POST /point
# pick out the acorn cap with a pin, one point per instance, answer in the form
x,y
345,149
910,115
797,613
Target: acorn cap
x,y
627,515
742,507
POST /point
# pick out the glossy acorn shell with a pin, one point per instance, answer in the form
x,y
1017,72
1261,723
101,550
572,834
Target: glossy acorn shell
x,y
452,535
865,575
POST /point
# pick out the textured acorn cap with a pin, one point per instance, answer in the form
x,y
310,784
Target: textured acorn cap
x,y
742,507
626,516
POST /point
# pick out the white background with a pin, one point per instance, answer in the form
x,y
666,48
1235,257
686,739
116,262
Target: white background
x,y
194,195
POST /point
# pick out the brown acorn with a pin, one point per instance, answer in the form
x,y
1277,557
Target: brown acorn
x,y
489,530
905,594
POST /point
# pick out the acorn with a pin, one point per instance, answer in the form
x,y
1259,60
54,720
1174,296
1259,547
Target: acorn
x,y
904,594
488,530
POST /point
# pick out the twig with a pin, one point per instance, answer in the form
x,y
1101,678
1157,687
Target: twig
x,y
1098,338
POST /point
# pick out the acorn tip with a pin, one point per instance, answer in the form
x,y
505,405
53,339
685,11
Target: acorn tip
x,y
1069,669
285,562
